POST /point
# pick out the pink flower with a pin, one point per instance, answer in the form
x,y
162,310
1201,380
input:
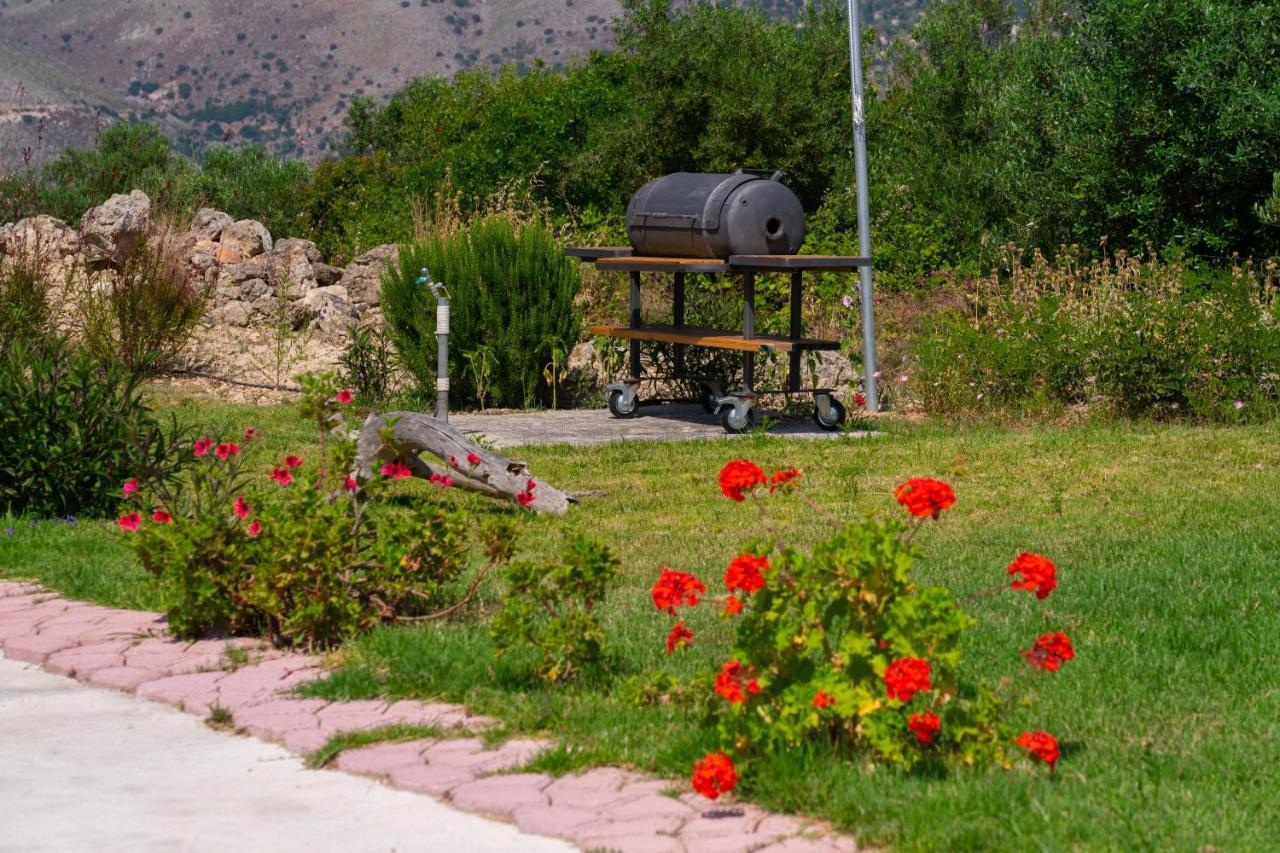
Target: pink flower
x,y
129,521
293,461
241,507
161,516
130,487
282,476
473,458
345,396
254,528
1239,405
396,470
846,301
350,484
201,447
226,450
444,481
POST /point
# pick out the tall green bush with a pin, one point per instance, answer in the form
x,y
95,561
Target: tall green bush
x,y
511,288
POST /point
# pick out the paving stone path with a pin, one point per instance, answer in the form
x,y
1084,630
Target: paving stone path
x,y
601,809
671,422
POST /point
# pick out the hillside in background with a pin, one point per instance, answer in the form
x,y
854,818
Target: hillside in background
x,y
275,72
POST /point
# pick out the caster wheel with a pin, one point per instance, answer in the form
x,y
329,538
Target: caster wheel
x,y
618,408
710,402
734,423
836,416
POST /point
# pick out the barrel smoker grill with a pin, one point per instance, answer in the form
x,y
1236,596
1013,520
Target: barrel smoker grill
x,y
745,223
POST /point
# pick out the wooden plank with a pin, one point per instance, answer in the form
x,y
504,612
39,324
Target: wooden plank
x,y
637,263
714,338
591,253
829,263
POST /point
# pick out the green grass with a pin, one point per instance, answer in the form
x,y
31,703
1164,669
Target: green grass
x,y
1165,538
339,743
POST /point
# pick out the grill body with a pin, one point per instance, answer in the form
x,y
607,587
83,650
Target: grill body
x,y
706,215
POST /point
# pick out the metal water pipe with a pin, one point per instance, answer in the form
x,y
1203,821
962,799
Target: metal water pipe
x,y
441,294
870,376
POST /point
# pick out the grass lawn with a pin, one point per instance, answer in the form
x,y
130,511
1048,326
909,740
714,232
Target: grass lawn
x,y
1165,538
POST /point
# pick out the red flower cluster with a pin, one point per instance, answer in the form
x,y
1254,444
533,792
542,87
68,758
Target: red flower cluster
x,y
1050,651
735,681
782,477
130,487
925,726
281,476
1042,745
444,481
227,450
739,477
241,507
905,677
745,573
526,497
714,775
345,396
396,470
254,528
1039,575
473,458
129,521
162,516
350,484
924,497
673,589
823,700
732,606
293,461
250,434
679,637
201,447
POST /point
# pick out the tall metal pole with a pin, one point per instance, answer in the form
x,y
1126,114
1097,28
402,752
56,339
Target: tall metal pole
x,y
864,214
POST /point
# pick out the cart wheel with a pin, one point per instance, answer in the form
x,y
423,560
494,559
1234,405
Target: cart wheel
x,y
620,409
735,423
709,399
831,423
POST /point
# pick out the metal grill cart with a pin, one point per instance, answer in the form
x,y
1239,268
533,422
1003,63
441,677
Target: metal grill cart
x,y
735,408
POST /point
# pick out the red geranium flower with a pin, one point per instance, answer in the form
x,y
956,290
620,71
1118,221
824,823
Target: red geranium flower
x,y
524,498
905,677
822,699
739,477
293,461
744,573
254,528
1050,651
530,485
473,458
202,445
1039,575
678,638
1042,745
282,476
732,606
673,588
130,487
924,497
226,450
859,399
714,775
161,516
396,470
129,521
444,481
782,477
345,396
925,726
241,507
350,484
250,434
735,681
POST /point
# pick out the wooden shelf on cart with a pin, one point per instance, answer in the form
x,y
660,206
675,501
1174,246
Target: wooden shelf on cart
x,y
592,253
621,259
638,263
798,263
714,338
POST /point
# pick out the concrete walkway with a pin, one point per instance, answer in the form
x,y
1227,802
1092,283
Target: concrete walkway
x,y
86,769
673,422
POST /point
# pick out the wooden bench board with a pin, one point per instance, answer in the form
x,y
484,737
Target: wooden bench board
x,y
714,338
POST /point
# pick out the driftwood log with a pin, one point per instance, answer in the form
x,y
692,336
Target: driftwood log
x,y
418,433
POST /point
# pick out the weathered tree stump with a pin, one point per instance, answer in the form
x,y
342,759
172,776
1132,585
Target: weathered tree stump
x,y
494,475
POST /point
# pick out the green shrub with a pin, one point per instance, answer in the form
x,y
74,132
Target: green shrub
x,y
310,559
70,429
552,607
25,313
147,313
511,288
368,365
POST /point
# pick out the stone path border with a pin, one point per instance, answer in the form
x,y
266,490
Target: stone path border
x,y
601,809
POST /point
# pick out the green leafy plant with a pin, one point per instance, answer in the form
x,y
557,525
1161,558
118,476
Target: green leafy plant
x,y
368,365
311,559
840,647
553,608
25,312
480,368
553,371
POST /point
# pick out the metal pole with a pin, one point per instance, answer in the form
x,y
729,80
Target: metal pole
x,y
441,295
864,214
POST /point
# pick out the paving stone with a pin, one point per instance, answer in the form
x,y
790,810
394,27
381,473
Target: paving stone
x,y
501,795
81,661
302,740
803,845
643,836
653,805
732,842
35,648
352,715
276,719
434,779
709,824
780,826
557,821
195,692
127,678
383,758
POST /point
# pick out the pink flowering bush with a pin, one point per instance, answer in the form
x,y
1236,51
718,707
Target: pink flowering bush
x,y
293,547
